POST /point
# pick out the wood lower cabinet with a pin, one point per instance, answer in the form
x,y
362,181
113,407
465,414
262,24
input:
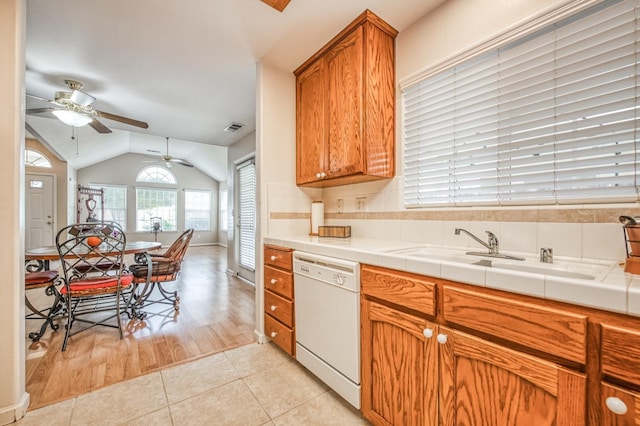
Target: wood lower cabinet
x,y
345,107
483,383
419,370
279,318
399,367
620,361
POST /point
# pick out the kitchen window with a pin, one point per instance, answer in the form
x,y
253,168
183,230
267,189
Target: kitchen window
x,y
551,118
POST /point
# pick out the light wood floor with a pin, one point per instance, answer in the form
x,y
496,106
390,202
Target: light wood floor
x,y
216,314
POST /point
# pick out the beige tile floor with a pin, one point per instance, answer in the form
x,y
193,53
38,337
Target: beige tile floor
x,y
250,385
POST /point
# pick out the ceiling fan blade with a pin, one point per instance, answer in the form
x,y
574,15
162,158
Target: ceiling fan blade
x,y
121,119
181,161
40,99
99,127
34,111
278,5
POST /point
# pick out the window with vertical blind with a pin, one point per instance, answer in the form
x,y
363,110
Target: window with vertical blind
x,y
247,214
548,119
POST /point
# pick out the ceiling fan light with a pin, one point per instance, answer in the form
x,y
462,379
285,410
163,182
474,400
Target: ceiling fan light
x,y
72,118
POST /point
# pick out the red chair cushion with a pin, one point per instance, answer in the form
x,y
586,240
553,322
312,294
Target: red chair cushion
x,y
33,279
98,284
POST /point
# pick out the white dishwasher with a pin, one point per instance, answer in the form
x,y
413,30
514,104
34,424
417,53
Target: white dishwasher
x,y
327,321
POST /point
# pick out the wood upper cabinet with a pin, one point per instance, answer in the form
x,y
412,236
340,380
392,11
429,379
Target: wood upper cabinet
x,y
345,107
483,383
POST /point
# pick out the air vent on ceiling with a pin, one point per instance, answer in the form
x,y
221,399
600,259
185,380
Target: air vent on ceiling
x,y
233,127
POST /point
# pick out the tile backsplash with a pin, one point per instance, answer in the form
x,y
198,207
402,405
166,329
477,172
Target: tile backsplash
x,y
373,210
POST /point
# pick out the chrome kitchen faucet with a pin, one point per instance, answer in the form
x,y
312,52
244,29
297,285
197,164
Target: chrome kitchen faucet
x,y
492,245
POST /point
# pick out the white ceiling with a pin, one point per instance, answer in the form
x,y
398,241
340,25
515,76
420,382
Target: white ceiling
x,y
186,68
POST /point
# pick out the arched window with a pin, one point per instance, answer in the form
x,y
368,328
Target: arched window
x,y
35,159
156,174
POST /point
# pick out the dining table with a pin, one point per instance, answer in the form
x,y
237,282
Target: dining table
x,y
39,258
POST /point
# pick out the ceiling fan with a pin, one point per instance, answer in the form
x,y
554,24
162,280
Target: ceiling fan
x,y
75,109
169,160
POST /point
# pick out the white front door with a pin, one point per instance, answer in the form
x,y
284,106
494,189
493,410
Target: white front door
x,y
39,210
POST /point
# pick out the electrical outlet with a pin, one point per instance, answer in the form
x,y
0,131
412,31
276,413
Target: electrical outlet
x,y
340,205
361,203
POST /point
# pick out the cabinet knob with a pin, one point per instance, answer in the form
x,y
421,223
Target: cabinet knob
x,y
274,334
428,333
616,405
273,281
442,338
321,175
274,307
273,258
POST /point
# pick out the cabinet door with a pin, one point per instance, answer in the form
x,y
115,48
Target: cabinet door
x,y
399,367
622,398
344,69
482,383
310,138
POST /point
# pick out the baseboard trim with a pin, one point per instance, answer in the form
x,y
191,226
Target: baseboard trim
x,y
262,338
15,412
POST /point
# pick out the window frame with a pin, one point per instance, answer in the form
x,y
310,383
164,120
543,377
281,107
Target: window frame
x,y
187,210
123,223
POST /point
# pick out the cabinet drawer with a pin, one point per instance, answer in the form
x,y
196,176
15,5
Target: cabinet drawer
x,y
280,334
279,308
630,399
620,353
400,288
278,281
553,331
280,257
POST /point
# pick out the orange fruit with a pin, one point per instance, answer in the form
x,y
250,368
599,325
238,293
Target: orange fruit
x,y
94,241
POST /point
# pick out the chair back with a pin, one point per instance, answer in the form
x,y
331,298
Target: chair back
x,y
91,249
179,247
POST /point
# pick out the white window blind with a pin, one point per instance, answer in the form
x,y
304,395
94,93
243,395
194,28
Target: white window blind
x,y
551,118
247,214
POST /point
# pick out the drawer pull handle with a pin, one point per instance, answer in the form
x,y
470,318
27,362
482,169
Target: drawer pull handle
x,y
274,334
274,307
616,405
273,281
428,333
274,258
442,338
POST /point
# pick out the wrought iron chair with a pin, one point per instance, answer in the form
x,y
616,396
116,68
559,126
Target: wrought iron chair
x,y
47,280
164,268
92,257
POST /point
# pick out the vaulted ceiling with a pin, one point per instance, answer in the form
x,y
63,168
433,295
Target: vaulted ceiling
x,y
187,68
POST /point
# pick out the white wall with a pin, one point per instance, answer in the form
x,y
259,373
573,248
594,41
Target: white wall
x,y
13,398
123,170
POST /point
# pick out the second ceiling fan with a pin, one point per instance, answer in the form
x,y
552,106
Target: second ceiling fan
x,y
75,109
169,160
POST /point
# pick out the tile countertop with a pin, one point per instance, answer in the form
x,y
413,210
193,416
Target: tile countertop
x,y
611,290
